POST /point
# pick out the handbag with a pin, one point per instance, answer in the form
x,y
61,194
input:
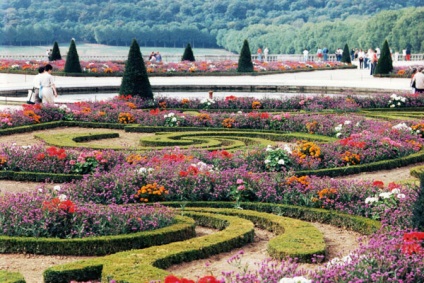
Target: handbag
x,y
31,96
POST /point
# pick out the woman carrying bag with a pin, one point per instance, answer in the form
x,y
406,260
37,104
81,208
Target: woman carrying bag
x,y
47,85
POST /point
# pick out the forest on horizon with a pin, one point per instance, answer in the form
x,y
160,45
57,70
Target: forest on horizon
x,y
285,26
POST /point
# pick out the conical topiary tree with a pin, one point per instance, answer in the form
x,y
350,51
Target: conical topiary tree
x,y
385,63
135,80
245,60
188,54
346,55
55,53
72,64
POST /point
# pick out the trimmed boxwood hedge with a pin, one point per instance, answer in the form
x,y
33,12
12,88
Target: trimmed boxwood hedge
x,y
183,229
147,264
295,238
126,266
11,277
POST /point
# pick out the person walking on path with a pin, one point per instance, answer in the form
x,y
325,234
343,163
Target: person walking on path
x,y
372,55
325,54
36,85
319,54
260,54
361,56
418,79
305,55
408,53
48,88
266,51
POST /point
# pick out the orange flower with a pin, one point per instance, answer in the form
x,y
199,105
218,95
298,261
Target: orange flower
x,y
126,118
256,105
228,123
312,127
152,192
131,105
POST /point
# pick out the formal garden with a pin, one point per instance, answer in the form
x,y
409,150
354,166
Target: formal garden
x,y
230,164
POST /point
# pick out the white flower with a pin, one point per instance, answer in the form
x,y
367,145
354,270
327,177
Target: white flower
x,y
385,195
171,114
269,148
396,191
239,112
40,190
371,199
338,135
174,119
281,162
165,116
347,122
287,149
392,105
338,128
401,196
150,170
56,188
142,170
357,124
26,147
399,104
267,161
401,126
63,197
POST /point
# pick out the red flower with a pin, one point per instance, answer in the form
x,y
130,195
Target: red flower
x,y
378,184
40,156
172,279
155,112
208,279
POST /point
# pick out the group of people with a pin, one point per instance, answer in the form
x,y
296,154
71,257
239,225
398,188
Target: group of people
x,y
43,85
155,57
417,80
265,54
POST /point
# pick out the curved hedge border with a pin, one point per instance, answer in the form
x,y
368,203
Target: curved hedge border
x,y
295,238
358,224
183,229
127,265
11,277
369,167
144,265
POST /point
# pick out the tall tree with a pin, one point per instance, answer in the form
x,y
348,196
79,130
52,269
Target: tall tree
x,y
188,54
346,55
56,52
245,60
72,64
385,63
135,80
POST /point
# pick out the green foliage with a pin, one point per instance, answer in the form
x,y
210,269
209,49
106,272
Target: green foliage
x,y
85,273
55,53
188,54
102,245
135,80
11,277
346,55
72,64
385,63
245,60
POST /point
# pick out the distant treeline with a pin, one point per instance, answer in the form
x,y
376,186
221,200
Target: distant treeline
x,y
286,26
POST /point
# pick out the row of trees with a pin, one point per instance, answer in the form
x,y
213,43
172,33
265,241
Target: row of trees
x,y
400,28
273,28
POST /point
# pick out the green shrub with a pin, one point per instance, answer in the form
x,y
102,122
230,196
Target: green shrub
x,y
72,64
385,63
245,60
11,277
135,81
346,56
55,53
188,54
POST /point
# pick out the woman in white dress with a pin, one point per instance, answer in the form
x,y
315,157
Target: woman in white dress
x,y
47,83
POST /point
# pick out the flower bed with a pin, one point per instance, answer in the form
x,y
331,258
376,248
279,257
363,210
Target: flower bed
x,y
54,215
262,175
116,68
